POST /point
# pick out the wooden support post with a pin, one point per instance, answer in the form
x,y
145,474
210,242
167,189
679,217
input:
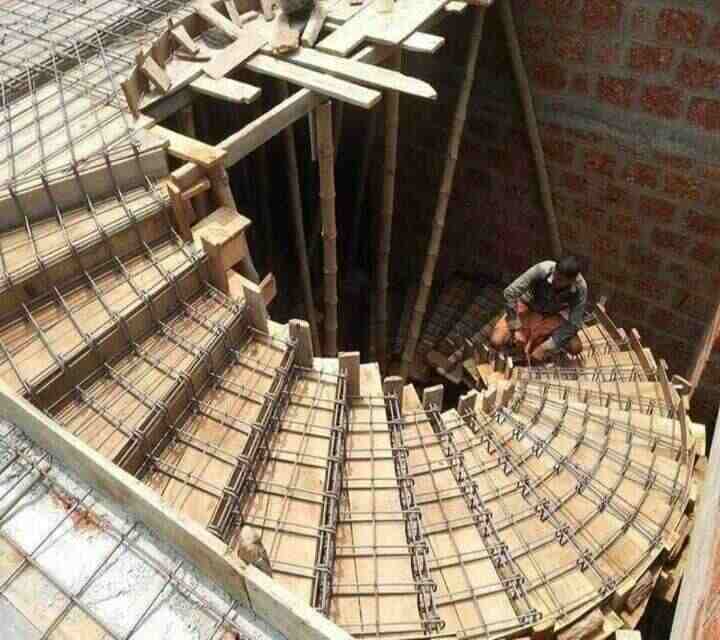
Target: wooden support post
x,y
300,332
392,117
225,245
523,85
433,396
607,323
467,403
224,198
186,120
704,349
297,220
329,233
179,212
393,385
444,195
350,364
256,309
637,349
695,601
263,190
488,399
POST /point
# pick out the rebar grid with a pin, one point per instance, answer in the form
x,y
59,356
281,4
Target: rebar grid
x,y
611,373
165,580
623,401
457,562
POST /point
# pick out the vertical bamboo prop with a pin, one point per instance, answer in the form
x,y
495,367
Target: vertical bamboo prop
x,y
186,120
392,117
444,194
298,224
326,149
531,124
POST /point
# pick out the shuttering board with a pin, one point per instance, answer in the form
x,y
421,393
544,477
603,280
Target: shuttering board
x,y
287,505
374,590
49,332
106,409
470,596
195,461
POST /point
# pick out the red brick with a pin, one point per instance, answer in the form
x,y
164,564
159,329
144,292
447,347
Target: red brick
x,y
714,39
617,91
669,240
698,73
703,224
584,136
549,76
608,53
641,21
560,151
711,172
641,174
681,26
602,15
599,163
641,257
651,288
575,182
555,8
604,246
533,38
625,225
674,162
612,194
570,47
706,253
665,102
590,217
580,84
705,113
615,279
682,186
656,209
650,59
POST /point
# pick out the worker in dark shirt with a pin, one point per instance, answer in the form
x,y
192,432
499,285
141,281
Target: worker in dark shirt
x,y
545,310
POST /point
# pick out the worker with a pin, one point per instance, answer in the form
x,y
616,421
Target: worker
x,y
545,310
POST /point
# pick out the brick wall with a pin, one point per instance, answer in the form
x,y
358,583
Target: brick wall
x,y
627,94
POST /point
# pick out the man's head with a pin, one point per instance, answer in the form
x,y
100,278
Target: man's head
x,y
566,271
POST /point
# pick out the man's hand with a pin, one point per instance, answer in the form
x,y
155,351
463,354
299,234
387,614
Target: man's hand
x,y
539,354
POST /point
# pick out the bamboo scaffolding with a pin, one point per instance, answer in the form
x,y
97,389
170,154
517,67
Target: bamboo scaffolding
x,y
523,85
329,231
392,116
444,195
297,220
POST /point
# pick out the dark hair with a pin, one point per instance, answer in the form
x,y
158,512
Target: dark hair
x,y
569,266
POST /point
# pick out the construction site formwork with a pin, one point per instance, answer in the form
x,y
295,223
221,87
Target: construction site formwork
x,y
136,347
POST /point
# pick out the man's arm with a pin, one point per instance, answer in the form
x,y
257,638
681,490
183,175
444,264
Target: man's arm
x,y
520,287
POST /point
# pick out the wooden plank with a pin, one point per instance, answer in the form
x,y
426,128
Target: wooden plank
x,y
349,361
371,75
216,19
226,89
233,12
300,332
314,26
188,148
235,54
283,36
182,37
636,346
384,28
156,74
606,321
420,42
321,82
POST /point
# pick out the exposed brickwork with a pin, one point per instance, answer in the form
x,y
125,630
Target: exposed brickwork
x,y
628,99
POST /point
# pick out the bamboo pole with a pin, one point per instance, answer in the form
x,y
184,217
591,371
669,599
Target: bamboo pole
x,y
296,209
392,117
186,120
523,85
354,240
326,161
444,194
